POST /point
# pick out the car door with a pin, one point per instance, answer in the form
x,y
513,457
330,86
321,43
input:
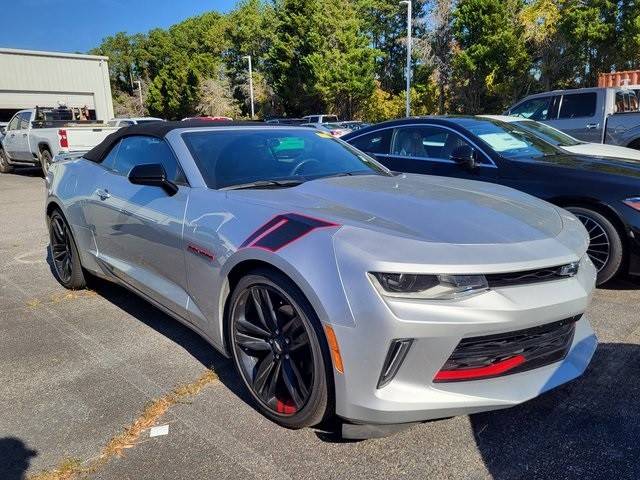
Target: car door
x,y
9,141
425,149
581,115
22,150
540,109
138,228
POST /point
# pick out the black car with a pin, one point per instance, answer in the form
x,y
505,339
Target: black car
x,y
603,193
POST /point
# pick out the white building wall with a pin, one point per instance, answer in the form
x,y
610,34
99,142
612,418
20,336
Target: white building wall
x,y
29,78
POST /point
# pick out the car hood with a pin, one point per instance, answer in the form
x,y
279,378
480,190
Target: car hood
x,y
607,151
427,208
598,165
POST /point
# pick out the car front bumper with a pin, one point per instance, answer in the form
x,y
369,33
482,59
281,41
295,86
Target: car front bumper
x,y
436,328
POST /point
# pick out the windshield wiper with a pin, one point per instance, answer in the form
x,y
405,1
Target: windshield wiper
x,y
265,184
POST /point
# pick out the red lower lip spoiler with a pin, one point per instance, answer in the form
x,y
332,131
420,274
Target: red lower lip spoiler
x,y
497,368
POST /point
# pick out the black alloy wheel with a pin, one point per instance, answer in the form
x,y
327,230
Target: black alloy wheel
x,y
276,347
64,253
605,245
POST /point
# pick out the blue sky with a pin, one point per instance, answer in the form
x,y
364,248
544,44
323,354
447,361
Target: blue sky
x,y
80,25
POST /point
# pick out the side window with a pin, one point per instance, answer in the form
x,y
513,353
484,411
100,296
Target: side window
x,y
140,150
314,119
25,120
376,142
14,124
535,109
109,162
578,105
428,142
626,101
112,123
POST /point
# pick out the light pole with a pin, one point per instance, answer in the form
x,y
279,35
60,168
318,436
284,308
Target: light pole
x,y
248,57
139,83
408,74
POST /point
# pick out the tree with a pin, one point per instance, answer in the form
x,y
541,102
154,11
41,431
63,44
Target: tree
x,y
173,94
289,74
434,51
492,64
628,36
590,26
249,32
385,25
342,65
215,98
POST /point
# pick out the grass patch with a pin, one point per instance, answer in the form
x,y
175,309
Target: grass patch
x,y
70,469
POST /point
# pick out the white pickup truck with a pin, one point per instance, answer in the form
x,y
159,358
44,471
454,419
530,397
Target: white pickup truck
x,y
35,136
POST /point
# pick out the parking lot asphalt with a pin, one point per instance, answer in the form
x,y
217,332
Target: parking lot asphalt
x,y
78,369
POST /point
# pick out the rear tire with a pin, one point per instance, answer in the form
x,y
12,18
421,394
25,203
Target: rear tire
x,y
283,360
5,166
45,161
64,253
606,250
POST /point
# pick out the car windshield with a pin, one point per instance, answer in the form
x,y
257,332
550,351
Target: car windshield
x,y
549,134
509,140
274,157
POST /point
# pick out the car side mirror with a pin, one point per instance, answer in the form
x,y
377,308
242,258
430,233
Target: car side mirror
x,y
153,175
465,156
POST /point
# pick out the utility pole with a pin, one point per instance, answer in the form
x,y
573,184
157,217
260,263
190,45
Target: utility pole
x,y
408,74
248,57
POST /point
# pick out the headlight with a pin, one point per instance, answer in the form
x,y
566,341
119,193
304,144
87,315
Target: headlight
x,y
633,203
429,287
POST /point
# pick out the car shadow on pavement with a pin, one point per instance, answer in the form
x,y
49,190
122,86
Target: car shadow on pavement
x,y
26,172
586,429
15,458
622,283
193,343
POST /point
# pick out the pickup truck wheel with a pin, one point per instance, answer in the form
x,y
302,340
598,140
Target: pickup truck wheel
x,y
605,250
5,166
45,161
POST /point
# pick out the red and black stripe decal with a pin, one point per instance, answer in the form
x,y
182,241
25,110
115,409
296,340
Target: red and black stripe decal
x,y
284,229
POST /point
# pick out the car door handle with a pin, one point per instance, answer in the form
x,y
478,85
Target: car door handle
x,y
103,194
24,134
591,126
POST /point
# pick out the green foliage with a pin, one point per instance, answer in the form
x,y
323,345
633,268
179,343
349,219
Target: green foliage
x,y
343,64
173,92
492,60
348,57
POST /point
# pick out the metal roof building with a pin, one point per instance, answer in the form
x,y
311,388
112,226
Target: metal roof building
x,y
30,78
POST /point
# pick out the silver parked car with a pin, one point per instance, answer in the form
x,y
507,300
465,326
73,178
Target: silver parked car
x,y
336,286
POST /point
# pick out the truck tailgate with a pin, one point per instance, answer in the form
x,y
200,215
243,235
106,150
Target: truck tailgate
x,y
85,138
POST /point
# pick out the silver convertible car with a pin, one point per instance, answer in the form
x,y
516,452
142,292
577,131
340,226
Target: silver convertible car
x,y
336,286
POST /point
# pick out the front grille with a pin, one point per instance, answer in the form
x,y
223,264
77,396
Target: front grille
x,y
531,276
506,353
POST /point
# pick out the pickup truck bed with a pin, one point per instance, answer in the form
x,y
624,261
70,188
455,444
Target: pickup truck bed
x,y
30,142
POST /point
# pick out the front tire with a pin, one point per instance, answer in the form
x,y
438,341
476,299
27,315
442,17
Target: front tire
x,y
279,350
606,250
64,253
5,166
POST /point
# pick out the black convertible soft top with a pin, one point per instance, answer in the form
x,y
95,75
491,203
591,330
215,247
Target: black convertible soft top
x,y
159,130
